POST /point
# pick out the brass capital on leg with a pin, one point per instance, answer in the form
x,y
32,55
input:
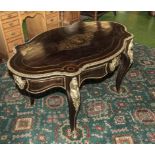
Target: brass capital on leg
x,y
75,93
130,52
74,134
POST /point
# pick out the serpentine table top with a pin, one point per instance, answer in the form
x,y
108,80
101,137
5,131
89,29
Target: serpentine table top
x,y
66,56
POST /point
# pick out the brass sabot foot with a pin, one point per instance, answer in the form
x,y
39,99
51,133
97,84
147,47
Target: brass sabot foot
x,y
74,134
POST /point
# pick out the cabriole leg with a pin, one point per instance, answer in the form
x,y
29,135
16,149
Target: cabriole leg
x,y
73,95
125,63
31,100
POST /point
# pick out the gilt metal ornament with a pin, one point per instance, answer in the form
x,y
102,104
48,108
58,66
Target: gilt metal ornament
x,y
75,93
18,80
130,52
114,63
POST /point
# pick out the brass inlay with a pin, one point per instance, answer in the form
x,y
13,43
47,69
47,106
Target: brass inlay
x,y
75,41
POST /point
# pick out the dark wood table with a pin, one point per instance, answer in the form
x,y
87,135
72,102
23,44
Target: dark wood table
x,y
65,57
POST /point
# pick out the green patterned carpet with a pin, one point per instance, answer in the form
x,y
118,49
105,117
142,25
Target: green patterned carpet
x,y
105,116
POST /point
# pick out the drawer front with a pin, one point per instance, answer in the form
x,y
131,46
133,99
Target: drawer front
x,y
26,12
14,43
42,85
9,20
13,33
52,25
52,13
10,24
4,12
54,19
15,38
9,15
95,72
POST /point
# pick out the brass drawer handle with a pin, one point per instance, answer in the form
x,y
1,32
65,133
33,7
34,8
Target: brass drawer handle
x,y
9,16
15,44
13,33
11,24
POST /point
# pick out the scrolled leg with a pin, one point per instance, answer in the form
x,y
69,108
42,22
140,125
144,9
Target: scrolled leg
x,y
125,63
31,101
73,95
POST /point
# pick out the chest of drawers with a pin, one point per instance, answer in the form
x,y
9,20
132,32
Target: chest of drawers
x,y
10,32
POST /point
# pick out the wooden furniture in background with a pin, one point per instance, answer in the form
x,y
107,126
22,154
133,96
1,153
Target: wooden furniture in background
x,y
151,13
11,26
10,32
39,22
69,17
95,14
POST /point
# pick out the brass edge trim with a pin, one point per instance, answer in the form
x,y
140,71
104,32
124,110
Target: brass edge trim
x,y
63,73
75,73
38,92
94,67
27,89
44,79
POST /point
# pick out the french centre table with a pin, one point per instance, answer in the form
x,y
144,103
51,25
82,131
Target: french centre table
x,y
65,57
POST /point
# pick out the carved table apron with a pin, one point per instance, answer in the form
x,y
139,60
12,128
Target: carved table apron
x,y
65,57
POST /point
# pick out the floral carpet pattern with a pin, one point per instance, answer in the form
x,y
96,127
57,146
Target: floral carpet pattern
x,y
104,117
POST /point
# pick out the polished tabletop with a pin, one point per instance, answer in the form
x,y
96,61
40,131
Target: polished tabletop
x,y
70,48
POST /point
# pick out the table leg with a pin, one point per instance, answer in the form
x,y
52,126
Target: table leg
x,y
31,100
73,95
125,62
